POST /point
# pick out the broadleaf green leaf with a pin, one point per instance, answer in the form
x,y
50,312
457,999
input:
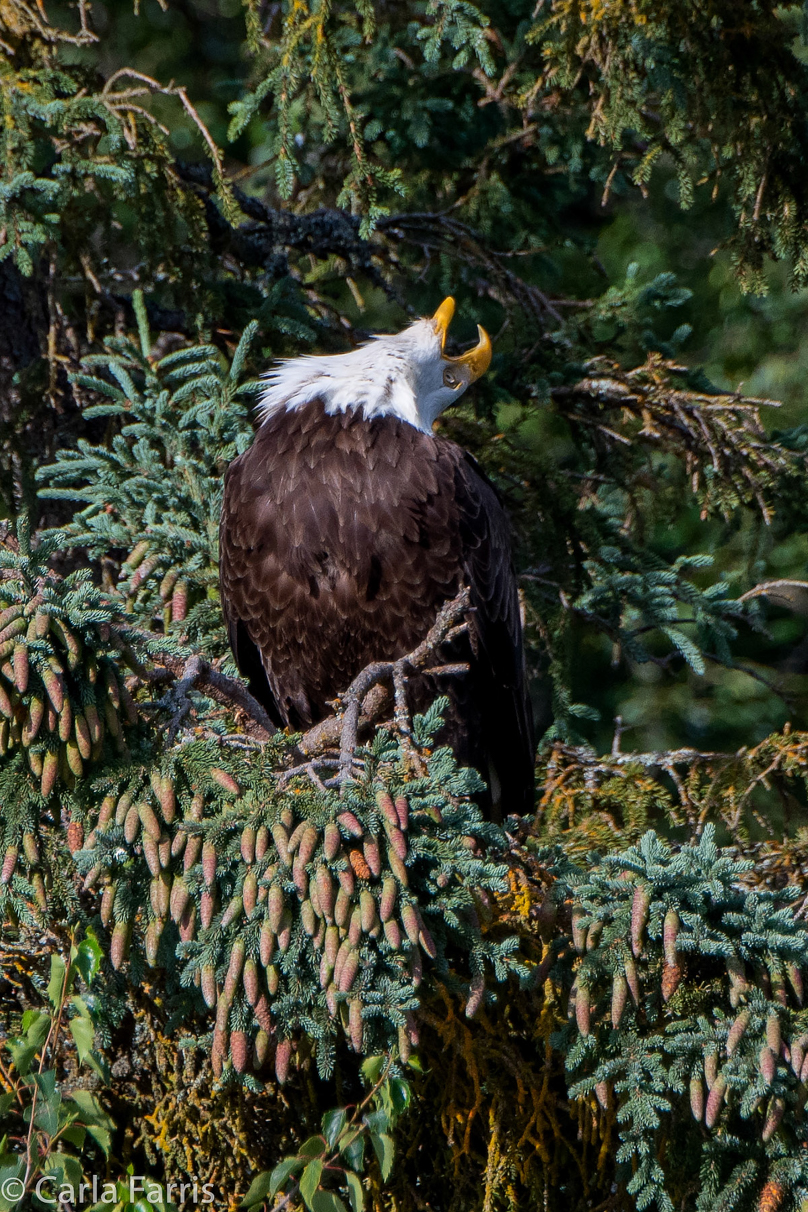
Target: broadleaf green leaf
x,y
314,1146
353,1150
356,1191
384,1149
83,1032
327,1201
282,1172
333,1124
260,1188
310,1181
89,956
56,983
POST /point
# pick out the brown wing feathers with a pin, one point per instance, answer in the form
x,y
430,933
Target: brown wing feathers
x,y
340,539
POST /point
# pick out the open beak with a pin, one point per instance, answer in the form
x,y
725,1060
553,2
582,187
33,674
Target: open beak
x,y
476,360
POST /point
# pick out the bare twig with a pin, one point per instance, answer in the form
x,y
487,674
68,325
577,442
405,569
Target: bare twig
x,y
771,589
49,33
122,99
783,695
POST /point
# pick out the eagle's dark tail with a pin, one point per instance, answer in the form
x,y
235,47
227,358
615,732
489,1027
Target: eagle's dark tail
x,y
508,739
489,725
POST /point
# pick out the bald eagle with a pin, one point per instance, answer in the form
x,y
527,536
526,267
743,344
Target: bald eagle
x,y
348,523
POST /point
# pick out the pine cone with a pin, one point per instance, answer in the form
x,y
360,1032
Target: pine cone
x,y
771,1196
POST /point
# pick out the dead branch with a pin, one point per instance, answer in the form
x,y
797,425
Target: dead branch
x,y
444,629
197,673
731,457
124,100
331,744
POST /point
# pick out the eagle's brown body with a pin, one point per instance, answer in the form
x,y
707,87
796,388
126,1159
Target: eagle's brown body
x,y
341,537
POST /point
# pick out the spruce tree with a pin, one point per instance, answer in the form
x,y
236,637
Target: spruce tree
x,y
303,966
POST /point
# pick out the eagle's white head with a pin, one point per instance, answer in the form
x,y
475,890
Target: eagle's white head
x,y
406,374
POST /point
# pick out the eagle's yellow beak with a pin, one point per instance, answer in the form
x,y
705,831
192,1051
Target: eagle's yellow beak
x,y
475,361
443,318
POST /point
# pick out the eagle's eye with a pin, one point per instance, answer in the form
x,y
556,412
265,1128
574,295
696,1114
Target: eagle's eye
x,y
450,379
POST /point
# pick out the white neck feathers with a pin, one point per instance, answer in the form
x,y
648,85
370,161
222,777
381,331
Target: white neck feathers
x,y
381,378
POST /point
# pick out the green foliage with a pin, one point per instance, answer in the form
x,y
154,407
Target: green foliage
x,y
62,699
270,912
687,1007
306,75
64,1131
659,79
154,491
306,70
75,157
634,601
295,911
338,1156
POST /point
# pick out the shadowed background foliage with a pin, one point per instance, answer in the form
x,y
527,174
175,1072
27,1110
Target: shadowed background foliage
x,y
616,190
